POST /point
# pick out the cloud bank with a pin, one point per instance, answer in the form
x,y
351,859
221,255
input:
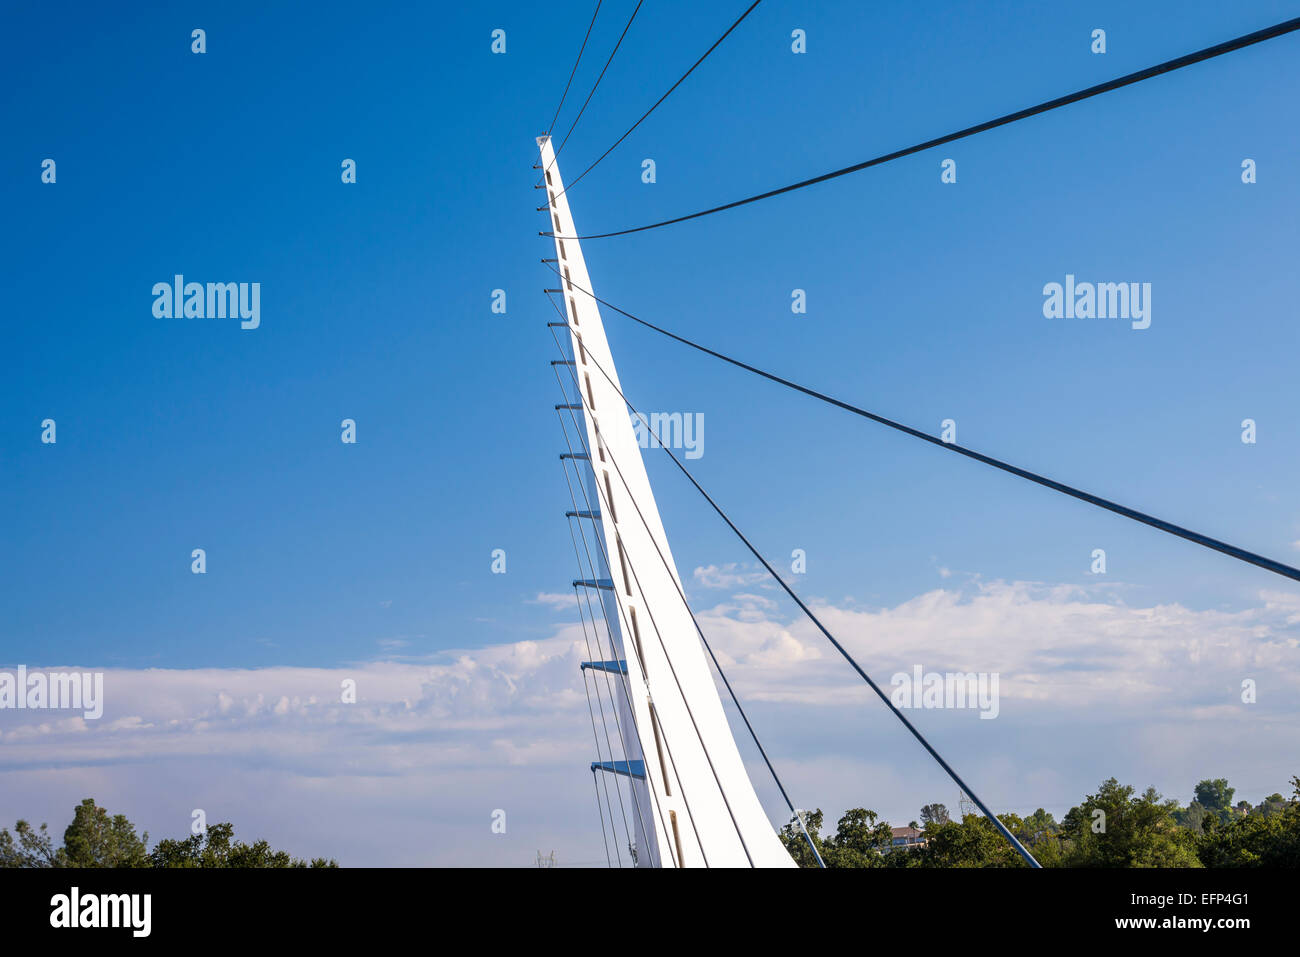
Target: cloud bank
x,y
413,770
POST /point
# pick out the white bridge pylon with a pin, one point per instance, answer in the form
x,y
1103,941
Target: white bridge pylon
x,y
689,782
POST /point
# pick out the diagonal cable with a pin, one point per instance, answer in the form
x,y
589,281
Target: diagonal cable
x,y
654,625
621,611
574,124
581,50
1233,551
613,704
700,631
1002,828
1229,46
716,44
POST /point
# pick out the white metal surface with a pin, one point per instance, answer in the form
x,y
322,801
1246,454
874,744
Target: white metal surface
x,y
696,797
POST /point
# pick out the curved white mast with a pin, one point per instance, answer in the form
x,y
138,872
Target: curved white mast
x,y
691,789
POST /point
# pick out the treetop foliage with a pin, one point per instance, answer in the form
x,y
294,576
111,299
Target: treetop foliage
x,y
1115,827
94,839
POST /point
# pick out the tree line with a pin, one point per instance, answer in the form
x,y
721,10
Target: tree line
x,y
94,839
1115,827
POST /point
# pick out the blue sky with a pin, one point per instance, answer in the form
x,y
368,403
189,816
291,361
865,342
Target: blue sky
x,y
924,300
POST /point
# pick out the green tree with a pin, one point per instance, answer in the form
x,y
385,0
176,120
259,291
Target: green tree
x,y
860,840
215,848
1038,827
1192,817
796,844
1273,804
974,842
93,839
1116,827
33,848
1040,833
1255,840
1216,797
1131,831
934,814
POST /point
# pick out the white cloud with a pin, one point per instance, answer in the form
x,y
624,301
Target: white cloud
x,y
412,772
270,748
730,575
1059,644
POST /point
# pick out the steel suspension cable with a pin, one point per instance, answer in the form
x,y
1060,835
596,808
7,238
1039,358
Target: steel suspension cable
x,y
600,656
596,630
621,611
716,44
1002,828
659,637
1229,46
623,618
603,836
700,631
623,679
574,124
613,704
599,757
1233,551
600,702
581,50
